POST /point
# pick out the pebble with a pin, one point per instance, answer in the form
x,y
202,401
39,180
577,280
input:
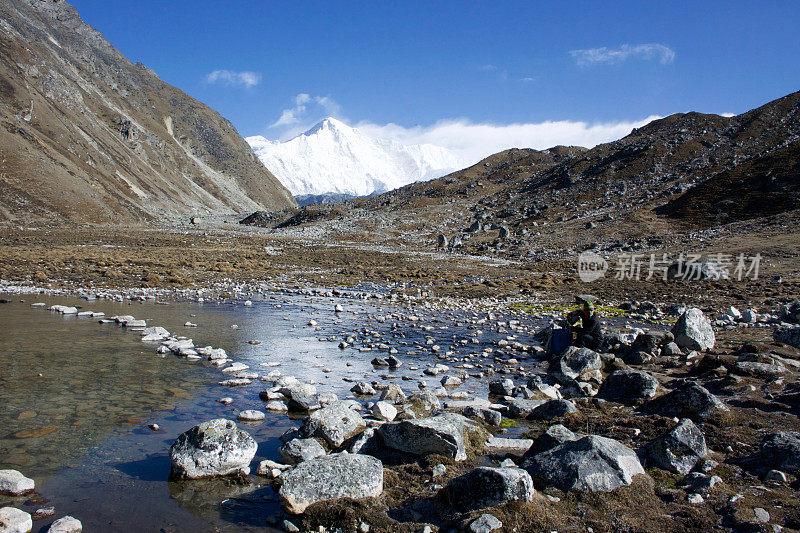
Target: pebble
x,y
251,415
66,524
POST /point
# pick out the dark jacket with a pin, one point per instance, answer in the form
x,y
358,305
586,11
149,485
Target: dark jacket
x,y
588,326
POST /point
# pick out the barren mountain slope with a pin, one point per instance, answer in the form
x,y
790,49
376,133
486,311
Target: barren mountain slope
x,y
86,135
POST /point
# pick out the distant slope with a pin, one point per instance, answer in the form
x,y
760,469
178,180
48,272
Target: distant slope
x,y
88,136
332,157
650,189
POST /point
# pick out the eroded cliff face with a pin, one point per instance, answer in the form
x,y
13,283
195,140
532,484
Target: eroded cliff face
x,y
86,135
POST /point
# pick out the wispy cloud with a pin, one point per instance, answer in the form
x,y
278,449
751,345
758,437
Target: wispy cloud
x,y
650,51
471,141
244,78
306,111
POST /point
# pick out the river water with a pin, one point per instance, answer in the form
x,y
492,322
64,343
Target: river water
x,y
78,396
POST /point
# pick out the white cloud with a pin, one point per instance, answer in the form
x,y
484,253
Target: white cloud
x,y
605,55
471,142
727,115
306,111
245,78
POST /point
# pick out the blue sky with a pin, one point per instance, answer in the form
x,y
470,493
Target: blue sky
x,y
414,65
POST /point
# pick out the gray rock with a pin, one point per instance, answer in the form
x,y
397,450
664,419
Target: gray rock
x,y
689,401
500,445
298,450
761,515
340,475
679,449
760,370
443,434
384,411
575,363
693,331
301,397
334,423
591,463
289,527
501,387
485,523
363,388
13,520
553,409
66,524
671,349
699,482
782,451
483,414
13,482
213,448
367,442
628,386
393,394
519,408
487,487
553,436
426,399
539,390
787,335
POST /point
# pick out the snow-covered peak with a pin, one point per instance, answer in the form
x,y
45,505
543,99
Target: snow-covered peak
x,y
333,157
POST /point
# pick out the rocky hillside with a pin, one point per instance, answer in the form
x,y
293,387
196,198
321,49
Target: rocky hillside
x,y
88,136
656,188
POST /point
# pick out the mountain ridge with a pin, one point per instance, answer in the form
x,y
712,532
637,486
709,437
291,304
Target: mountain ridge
x,y
88,136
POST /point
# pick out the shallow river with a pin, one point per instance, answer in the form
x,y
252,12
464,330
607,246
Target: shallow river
x,y
78,395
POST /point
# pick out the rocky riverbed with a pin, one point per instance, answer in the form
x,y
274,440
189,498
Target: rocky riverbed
x,y
345,409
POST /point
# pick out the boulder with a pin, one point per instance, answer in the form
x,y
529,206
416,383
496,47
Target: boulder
x,y
552,409
693,331
13,482
443,434
298,450
591,463
301,397
66,524
501,387
335,423
689,400
760,370
393,394
488,487
425,400
519,408
483,414
553,436
213,448
787,335
384,411
628,386
539,390
13,520
781,451
362,388
577,363
679,449
340,475
368,441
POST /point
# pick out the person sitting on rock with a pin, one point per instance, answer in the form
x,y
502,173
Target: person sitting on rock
x,y
586,325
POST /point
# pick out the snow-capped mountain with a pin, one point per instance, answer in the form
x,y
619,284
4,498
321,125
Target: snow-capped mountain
x,y
332,157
